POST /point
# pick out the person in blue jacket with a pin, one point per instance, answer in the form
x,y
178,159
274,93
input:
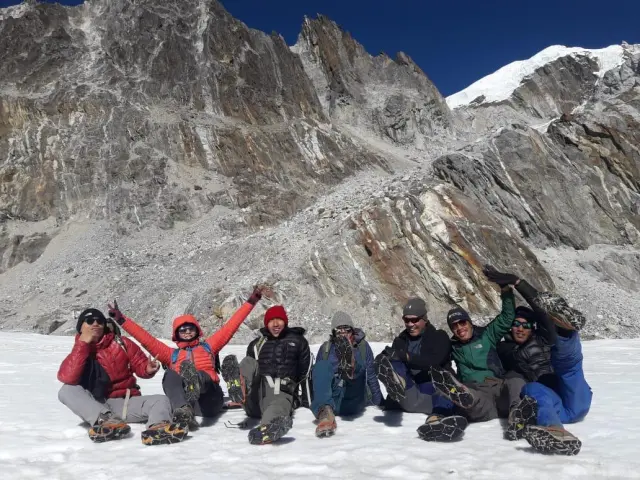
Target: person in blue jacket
x,y
343,377
548,356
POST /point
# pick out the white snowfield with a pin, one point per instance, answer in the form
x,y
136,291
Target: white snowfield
x,y
501,84
41,439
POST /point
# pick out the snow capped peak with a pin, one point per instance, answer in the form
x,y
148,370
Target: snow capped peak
x,y
500,84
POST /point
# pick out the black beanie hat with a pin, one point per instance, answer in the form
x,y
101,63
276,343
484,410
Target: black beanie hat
x,y
526,313
457,314
415,306
87,314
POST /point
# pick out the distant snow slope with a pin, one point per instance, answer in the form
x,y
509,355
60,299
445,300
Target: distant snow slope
x,y
41,439
500,84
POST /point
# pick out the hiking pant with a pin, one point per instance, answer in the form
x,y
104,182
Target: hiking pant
x,y
211,396
571,400
345,397
493,398
261,400
420,397
145,408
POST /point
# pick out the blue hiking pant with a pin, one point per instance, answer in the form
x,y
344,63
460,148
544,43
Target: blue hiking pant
x,y
345,397
571,400
421,397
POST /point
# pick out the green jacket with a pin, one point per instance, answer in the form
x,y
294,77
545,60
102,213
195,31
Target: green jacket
x,y
478,358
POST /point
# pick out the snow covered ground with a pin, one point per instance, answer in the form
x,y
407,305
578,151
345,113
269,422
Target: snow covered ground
x,y
41,439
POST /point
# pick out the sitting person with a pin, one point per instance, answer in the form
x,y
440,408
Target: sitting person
x,y
266,382
550,358
482,391
404,369
100,386
344,378
191,381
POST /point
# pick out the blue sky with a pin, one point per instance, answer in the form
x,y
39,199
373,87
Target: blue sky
x,y
454,41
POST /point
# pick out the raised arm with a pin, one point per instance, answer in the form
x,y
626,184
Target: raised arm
x,y
220,338
501,325
154,346
545,328
71,368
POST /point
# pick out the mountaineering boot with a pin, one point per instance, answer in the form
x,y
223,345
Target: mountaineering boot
x,y
235,384
447,384
108,427
552,440
393,382
164,433
522,414
190,380
185,415
438,428
270,432
560,312
326,422
346,359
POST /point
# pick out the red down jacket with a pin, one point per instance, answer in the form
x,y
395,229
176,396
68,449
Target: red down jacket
x,y
119,364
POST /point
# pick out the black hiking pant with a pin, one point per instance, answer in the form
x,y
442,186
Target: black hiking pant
x,y
211,397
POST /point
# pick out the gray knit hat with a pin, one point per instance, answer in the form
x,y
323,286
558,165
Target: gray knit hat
x,y
341,319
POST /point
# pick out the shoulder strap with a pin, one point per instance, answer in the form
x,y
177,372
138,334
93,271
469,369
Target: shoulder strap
x,y
326,347
258,346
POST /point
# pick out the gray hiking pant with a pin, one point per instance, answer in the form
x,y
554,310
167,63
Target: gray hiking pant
x,y
415,401
261,400
146,408
493,398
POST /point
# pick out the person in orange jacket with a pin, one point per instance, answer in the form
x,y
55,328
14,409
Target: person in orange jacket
x,y
191,381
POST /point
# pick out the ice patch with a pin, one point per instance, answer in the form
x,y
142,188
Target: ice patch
x,y
501,84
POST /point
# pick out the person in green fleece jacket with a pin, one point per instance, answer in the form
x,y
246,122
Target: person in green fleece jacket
x,y
482,390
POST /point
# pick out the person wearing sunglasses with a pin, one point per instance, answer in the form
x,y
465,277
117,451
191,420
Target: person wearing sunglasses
x,y
191,380
544,348
344,377
404,369
101,388
480,389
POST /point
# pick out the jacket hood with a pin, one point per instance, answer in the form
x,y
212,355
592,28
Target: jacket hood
x,y
178,322
287,330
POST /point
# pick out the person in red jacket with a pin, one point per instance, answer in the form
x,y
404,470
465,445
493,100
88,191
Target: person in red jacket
x,y
191,381
100,386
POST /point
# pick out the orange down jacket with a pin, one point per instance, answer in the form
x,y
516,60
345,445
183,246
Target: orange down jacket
x,y
203,360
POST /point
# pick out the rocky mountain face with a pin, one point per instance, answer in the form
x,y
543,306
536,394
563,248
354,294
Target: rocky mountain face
x,y
165,154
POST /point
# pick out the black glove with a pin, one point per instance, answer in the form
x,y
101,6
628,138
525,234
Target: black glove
x,y
115,313
395,354
255,296
502,279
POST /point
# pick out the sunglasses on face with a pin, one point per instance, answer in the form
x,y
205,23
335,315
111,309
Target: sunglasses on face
x,y
343,330
412,320
186,328
99,321
458,324
517,323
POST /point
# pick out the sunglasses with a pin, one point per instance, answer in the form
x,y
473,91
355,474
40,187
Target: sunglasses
x,y
527,325
412,320
343,330
187,328
99,321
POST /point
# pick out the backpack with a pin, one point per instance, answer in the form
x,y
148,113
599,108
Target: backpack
x,y
362,348
215,359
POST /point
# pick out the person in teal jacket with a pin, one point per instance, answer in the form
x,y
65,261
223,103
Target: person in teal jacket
x,y
481,389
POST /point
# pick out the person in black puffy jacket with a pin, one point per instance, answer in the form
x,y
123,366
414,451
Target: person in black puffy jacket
x,y
549,357
268,381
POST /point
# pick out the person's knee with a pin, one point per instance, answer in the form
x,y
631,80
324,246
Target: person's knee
x,y
534,390
66,393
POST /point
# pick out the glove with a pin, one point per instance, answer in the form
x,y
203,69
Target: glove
x,y
255,296
115,313
502,279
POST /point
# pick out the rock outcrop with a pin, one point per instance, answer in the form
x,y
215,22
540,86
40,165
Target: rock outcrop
x,y
165,154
